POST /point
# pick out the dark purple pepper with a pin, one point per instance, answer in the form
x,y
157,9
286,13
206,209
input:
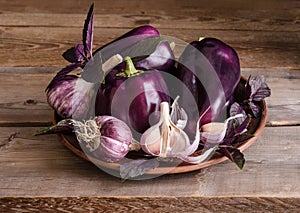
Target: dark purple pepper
x,y
210,70
132,95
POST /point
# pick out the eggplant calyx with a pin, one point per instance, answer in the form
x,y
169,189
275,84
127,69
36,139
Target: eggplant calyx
x,y
130,69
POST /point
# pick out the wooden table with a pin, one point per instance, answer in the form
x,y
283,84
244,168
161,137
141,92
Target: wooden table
x,y
40,173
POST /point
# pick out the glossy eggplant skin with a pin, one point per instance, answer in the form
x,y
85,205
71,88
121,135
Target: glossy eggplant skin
x,y
132,99
210,70
224,60
162,59
125,41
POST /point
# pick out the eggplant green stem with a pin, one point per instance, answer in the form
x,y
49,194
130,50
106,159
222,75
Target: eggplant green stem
x,y
43,131
130,69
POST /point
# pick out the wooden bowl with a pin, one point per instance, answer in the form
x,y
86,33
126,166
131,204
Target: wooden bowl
x,y
256,128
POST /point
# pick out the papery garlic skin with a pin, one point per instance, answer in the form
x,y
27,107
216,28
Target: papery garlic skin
x,y
105,137
71,96
178,115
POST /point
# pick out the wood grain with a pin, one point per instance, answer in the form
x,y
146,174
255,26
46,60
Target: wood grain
x,y
40,32
226,8
197,19
42,166
26,103
150,204
40,174
43,46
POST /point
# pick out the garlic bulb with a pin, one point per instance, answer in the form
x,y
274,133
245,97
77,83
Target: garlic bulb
x,y
105,137
164,139
72,96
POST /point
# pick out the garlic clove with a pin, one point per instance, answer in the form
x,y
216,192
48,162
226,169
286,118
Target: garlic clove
x,y
179,141
178,115
150,140
215,132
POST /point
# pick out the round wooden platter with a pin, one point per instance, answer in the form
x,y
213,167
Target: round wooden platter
x,y
181,168
69,140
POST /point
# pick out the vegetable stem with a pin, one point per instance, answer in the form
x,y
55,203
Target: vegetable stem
x,y
130,70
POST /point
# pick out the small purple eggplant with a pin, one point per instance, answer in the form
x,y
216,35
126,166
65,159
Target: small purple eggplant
x,y
210,71
82,53
151,53
121,44
162,58
132,95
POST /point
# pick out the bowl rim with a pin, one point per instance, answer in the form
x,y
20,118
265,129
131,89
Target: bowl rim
x,y
179,168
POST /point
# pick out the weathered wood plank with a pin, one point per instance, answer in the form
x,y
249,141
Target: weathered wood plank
x,y
150,204
43,46
201,20
42,166
23,100
226,7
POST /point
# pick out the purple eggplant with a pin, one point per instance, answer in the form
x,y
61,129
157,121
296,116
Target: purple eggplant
x,y
151,53
210,72
82,53
143,44
132,95
121,44
162,58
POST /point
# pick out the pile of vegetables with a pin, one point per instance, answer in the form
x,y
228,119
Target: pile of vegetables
x,y
122,99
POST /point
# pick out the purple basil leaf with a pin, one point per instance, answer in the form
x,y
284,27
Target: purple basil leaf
x,y
80,53
87,33
229,138
135,168
259,88
75,54
235,131
256,110
247,91
236,109
234,155
240,139
70,55
242,127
